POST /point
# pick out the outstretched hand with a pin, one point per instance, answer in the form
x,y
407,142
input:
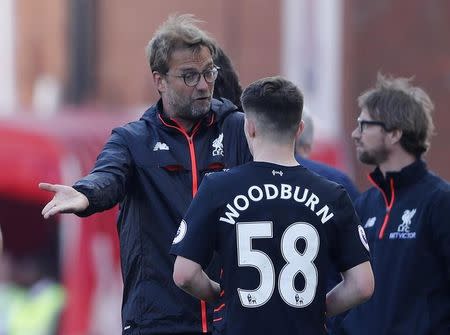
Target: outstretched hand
x,y
65,200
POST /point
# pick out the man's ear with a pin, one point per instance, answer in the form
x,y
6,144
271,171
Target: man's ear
x,y
301,126
395,135
250,127
160,81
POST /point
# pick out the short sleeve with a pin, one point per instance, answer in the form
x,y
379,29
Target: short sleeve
x,y
349,245
196,235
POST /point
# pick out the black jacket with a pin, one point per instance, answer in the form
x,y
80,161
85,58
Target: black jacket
x,y
153,168
407,225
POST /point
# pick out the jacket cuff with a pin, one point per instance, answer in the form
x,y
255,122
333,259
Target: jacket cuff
x,y
90,195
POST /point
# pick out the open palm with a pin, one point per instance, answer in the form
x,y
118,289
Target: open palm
x,y
65,200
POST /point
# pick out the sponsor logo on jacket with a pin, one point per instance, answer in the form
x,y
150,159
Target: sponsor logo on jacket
x,y
370,222
403,231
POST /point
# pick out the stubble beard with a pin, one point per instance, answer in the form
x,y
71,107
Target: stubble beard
x,y
189,109
190,112
376,157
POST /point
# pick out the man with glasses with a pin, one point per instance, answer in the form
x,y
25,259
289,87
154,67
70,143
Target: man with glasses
x,y
404,215
153,168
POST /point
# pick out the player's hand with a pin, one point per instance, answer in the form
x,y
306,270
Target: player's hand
x,y
65,200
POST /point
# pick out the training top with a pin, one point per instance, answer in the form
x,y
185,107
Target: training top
x,y
405,218
153,167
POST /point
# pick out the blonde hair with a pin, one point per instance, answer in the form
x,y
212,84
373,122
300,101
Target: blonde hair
x,y
178,32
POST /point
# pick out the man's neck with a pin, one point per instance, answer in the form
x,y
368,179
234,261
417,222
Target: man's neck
x,y
274,153
167,111
183,123
187,125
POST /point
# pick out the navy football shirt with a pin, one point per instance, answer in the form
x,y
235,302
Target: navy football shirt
x,y
276,230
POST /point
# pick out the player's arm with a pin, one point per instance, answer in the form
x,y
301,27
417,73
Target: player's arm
x,y
190,277
101,189
356,287
194,244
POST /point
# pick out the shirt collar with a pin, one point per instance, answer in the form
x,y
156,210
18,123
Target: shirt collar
x,y
406,176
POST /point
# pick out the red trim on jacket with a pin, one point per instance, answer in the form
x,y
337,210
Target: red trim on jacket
x,y
388,204
190,140
219,308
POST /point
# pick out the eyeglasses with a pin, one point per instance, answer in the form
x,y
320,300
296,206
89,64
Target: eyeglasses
x,y
191,79
362,124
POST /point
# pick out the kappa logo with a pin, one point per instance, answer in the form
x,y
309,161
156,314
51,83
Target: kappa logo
x,y
218,146
403,231
280,173
160,146
370,222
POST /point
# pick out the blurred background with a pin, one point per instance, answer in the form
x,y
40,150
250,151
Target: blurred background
x,y
71,70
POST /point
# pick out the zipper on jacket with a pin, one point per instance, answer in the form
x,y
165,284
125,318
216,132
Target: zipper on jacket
x,y
194,173
194,191
388,205
193,165
190,141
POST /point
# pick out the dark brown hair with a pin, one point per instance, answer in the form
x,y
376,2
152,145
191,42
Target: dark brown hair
x,y
277,104
399,105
